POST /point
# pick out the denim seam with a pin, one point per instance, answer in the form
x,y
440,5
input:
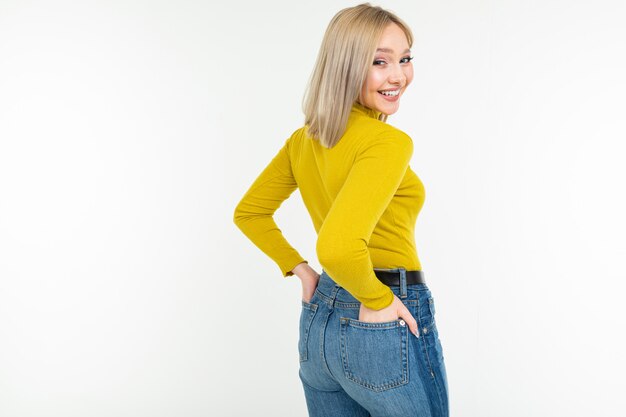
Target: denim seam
x,y
438,387
425,345
311,310
328,301
371,325
433,377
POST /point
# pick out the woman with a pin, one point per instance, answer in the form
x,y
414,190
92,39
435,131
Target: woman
x,y
368,341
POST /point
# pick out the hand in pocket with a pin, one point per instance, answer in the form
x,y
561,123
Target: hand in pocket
x,y
395,310
309,284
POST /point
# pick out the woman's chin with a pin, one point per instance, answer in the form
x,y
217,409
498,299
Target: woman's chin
x,y
389,108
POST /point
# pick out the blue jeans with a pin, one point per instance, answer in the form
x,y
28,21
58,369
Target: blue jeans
x,y
351,368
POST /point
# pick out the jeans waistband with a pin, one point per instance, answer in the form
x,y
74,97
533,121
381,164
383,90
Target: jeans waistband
x,y
333,292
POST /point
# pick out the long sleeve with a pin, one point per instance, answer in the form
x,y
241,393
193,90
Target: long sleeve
x,y
342,245
254,213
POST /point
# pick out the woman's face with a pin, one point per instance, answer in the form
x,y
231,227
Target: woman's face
x,y
391,72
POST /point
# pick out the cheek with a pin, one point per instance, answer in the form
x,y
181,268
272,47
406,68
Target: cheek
x,y
408,73
374,80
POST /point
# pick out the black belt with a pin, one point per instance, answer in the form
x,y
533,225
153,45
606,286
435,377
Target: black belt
x,y
393,278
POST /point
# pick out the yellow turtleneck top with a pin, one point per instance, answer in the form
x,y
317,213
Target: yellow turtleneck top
x,y
361,194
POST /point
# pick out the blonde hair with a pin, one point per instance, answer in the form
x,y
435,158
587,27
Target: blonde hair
x,y
346,54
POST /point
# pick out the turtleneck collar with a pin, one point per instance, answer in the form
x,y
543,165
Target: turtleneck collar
x,y
359,108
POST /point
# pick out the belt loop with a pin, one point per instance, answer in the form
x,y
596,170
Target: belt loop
x,y
403,292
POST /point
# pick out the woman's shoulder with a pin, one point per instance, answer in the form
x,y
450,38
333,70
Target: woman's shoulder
x,y
297,134
361,134
374,130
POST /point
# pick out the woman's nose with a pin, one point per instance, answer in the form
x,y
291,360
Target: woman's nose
x,y
397,75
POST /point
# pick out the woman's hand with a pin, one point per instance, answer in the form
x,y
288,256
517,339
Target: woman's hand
x,y
390,313
309,279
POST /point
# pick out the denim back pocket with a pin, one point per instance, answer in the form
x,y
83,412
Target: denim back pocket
x,y
374,355
306,318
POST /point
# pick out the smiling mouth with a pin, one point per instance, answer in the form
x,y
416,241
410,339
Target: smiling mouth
x,y
390,93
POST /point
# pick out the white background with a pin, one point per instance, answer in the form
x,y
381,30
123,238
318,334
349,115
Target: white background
x,y
129,130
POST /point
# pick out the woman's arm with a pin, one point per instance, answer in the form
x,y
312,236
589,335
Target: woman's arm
x,y
342,245
254,213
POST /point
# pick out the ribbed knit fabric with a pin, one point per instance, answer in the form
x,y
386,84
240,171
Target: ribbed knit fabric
x,y
362,196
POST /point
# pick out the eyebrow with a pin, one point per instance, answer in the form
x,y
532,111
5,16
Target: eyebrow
x,y
390,51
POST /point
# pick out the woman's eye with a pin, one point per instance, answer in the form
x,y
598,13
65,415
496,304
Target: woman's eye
x,y
404,60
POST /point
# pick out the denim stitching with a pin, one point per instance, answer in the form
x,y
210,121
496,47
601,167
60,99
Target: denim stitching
x,y
328,301
423,337
322,342
438,387
309,309
404,379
